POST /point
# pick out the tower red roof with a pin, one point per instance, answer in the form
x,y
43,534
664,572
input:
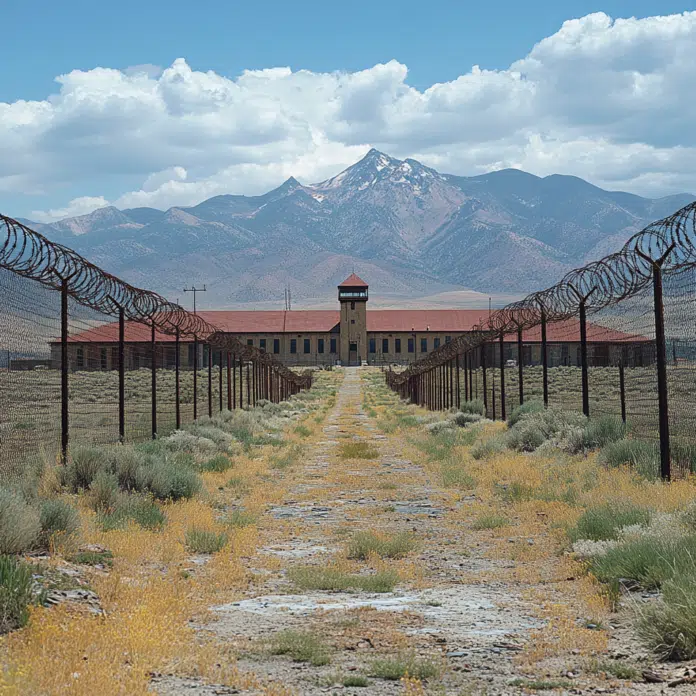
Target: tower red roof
x,y
353,281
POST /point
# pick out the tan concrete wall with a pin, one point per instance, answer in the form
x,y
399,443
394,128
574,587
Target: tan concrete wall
x,y
353,329
391,356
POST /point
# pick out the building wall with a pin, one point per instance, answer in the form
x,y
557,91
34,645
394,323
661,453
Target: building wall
x,y
429,340
353,329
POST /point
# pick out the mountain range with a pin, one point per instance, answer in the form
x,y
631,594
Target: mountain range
x,y
406,228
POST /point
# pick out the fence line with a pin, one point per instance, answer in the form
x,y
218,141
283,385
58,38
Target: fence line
x,y
636,298
52,296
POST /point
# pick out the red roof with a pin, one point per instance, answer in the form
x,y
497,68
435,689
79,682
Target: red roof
x,y
452,321
353,281
395,320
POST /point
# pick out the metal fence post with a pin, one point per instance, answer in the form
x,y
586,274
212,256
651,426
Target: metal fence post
x,y
241,383
661,358
622,387
121,375
520,363
220,377
153,368
177,376
544,358
229,382
210,381
458,402
583,349
248,380
64,367
503,414
195,378
485,386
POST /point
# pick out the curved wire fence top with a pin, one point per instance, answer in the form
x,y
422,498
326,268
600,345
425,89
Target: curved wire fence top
x,y
31,255
670,242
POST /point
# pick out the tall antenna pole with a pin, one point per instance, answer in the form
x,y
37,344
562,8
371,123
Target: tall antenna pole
x,y
195,290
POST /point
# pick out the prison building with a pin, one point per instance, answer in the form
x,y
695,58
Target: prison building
x,y
350,335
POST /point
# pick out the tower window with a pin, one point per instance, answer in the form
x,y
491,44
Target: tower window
x,y
333,345
385,345
352,321
352,305
320,345
373,345
397,345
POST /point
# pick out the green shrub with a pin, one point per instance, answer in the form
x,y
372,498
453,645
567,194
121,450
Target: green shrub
x,y
287,459
204,541
488,447
535,428
240,518
170,478
669,626
649,561
463,420
300,646
84,464
643,456
358,450
363,544
104,493
606,521
523,410
20,524
93,558
475,406
136,508
355,680
219,463
303,431
333,580
57,517
601,431
491,521
124,463
15,593
400,666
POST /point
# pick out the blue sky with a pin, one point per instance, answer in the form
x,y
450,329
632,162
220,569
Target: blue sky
x,y
85,142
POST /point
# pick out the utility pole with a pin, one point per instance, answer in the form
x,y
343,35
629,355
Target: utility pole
x,y
195,290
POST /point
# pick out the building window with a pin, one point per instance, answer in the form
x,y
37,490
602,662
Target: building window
x,y
448,339
307,347
385,345
373,345
102,359
352,321
80,357
352,305
436,343
424,345
276,345
397,345
293,345
353,348
320,345
333,345
250,341
262,344
411,345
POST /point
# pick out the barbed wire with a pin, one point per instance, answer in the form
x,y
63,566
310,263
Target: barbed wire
x,y
31,255
598,285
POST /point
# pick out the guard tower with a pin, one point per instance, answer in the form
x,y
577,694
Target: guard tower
x,y
352,294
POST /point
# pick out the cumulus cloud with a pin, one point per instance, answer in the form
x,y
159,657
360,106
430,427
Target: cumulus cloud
x,y
608,100
77,206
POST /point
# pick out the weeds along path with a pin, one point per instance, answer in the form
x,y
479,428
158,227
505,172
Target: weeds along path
x,y
364,577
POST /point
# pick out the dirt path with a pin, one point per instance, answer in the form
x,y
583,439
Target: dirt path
x,y
458,616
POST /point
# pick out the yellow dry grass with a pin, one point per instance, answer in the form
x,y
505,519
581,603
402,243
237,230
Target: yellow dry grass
x,y
148,600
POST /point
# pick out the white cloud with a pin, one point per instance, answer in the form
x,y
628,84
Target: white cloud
x,y
77,206
606,100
